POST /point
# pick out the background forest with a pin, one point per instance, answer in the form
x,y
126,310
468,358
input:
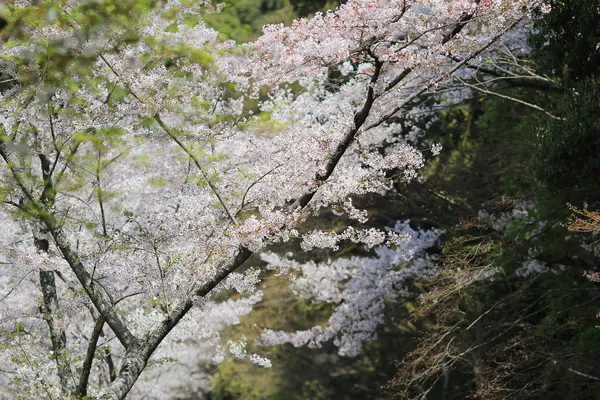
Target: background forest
x,y
512,312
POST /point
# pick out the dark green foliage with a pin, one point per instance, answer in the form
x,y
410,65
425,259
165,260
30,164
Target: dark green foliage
x,y
567,156
243,20
532,336
305,7
566,42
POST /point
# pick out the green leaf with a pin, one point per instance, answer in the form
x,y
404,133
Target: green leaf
x,y
157,182
147,122
172,27
201,57
82,137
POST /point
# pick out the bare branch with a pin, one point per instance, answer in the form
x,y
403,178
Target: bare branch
x,y
513,99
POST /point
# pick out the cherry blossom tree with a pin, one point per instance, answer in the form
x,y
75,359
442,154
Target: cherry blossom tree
x,y
137,175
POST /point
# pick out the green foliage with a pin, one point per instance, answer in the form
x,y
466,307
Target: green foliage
x,y
487,146
306,7
243,20
566,40
566,156
512,334
59,58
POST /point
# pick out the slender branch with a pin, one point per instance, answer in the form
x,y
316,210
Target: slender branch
x,y
112,371
67,159
531,79
243,202
162,278
174,137
513,99
418,93
583,374
456,28
48,192
189,152
99,193
89,358
8,293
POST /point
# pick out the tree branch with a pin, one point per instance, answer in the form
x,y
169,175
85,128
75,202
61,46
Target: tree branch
x,y
89,358
94,290
137,357
174,137
359,119
418,93
510,98
57,334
